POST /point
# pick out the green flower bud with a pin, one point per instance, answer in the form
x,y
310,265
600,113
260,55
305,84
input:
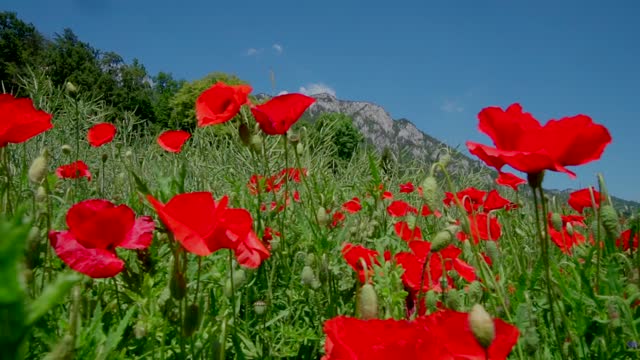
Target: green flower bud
x,y
432,300
556,221
260,307
368,302
569,229
191,320
609,218
245,134
38,168
482,326
256,143
322,216
41,194
475,292
300,149
441,240
307,275
492,251
452,299
70,87
178,285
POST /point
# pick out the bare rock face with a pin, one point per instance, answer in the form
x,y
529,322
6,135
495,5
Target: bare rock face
x,y
382,131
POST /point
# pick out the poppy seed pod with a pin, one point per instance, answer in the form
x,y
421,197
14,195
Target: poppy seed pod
x,y
556,221
482,325
368,302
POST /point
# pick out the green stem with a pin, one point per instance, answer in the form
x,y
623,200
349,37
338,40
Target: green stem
x,y
544,245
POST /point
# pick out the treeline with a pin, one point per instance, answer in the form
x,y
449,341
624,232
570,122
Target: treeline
x,y
70,62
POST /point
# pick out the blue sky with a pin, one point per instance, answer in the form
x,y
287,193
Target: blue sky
x,y
437,63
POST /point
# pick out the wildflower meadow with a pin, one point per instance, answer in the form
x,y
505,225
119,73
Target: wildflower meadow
x,y
244,238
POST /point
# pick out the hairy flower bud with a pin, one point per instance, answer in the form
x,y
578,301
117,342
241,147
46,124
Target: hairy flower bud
x,y
556,221
609,218
308,277
245,134
441,240
429,190
300,149
41,194
368,302
191,320
482,325
475,292
38,168
322,216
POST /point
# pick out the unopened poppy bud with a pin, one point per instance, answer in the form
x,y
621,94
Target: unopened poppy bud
x,y
492,251
239,279
323,274
556,221
432,300
411,221
368,302
260,307
70,87
300,148
310,259
191,320
453,300
531,340
245,134
475,292
322,216
570,229
104,157
66,149
256,143
128,154
38,168
178,285
429,190
41,194
441,240
482,325
307,275
140,329
609,218
445,159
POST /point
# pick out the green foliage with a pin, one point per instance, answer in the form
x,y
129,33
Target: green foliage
x,y
343,134
20,44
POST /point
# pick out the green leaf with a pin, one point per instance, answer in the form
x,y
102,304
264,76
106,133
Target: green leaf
x,y
52,295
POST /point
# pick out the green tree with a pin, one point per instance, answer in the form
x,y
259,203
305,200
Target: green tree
x,y
69,59
164,89
21,45
344,135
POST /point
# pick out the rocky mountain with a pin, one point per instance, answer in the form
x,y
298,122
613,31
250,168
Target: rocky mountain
x,y
382,131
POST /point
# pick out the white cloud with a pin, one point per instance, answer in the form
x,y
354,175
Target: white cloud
x,y
278,48
451,106
283,92
317,88
253,51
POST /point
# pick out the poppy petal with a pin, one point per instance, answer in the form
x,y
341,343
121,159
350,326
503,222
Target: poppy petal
x,y
172,140
96,263
141,234
101,134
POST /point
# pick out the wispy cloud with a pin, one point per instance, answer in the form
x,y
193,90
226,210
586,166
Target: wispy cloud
x,y
317,88
253,51
451,106
278,48
283,92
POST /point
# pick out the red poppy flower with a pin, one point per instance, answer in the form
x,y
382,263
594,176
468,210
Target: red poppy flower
x,y
96,228
354,339
407,188
352,206
75,170
510,180
172,140
581,199
387,195
354,255
471,198
524,144
565,239
624,241
20,120
400,208
277,115
483,227
220,103
337,218
101,134
203,226
495,201
406,233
